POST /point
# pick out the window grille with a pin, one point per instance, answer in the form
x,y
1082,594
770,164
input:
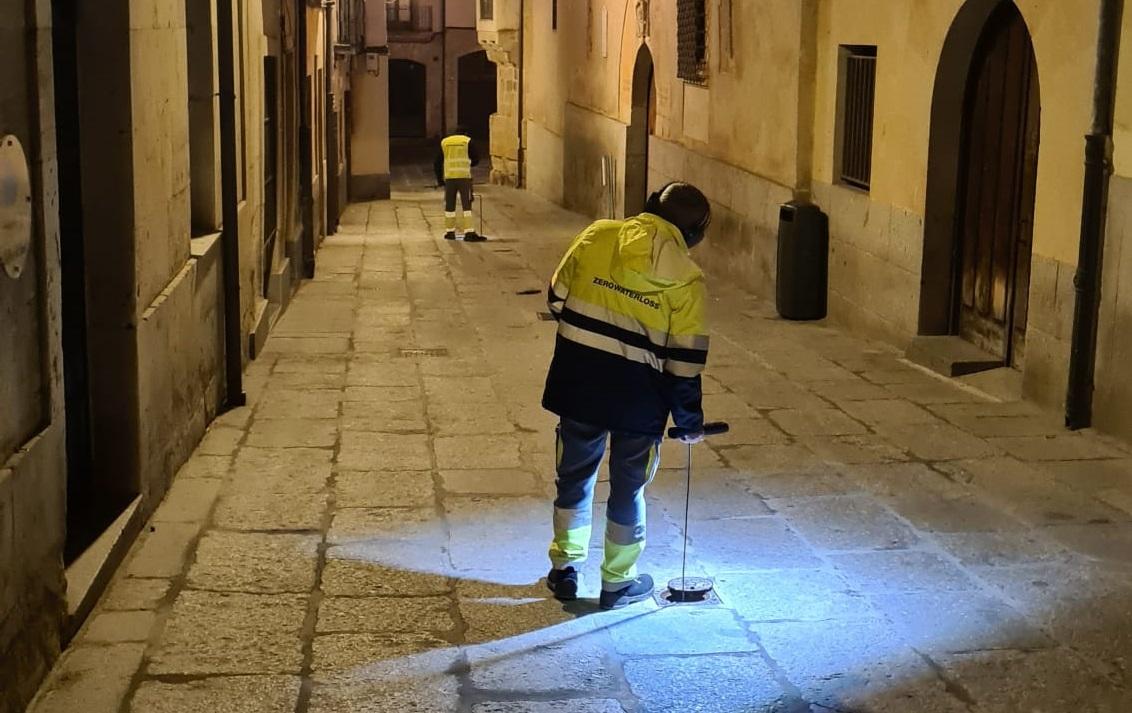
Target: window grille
x,y
858,92
691,41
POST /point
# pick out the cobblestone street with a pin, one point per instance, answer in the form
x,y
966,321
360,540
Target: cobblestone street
x,y
882,539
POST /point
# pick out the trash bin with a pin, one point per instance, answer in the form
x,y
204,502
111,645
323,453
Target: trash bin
x,y
803,262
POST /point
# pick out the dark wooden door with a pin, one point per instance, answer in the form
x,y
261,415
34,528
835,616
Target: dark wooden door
x,y
1000,175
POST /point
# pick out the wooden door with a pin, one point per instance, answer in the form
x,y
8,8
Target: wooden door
x,y
1000,175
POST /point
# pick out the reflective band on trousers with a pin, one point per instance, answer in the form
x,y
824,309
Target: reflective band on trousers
x,y
572,530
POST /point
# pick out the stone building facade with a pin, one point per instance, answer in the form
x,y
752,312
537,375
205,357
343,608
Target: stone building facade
x,y
433,48
864,108
113,292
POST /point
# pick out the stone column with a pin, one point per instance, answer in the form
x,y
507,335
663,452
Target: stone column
x,y
500,36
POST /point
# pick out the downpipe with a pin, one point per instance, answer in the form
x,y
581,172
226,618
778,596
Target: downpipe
x,y
230,235
1094,213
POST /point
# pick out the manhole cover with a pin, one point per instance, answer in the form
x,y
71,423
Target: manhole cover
x,y
423,352
546,316
664,597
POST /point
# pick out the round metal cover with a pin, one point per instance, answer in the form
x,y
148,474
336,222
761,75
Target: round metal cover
x,y
15,207
690,588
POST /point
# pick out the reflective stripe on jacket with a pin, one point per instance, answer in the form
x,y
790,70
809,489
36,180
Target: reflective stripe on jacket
x,y
632,338
457,160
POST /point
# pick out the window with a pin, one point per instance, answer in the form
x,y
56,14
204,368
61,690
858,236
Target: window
x,y
487,9
350,23
854,159
691,41
554,15
408,16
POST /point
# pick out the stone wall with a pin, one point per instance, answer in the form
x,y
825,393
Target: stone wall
x,y
590,137
876,253
544,171
1114,344
741,244
32,467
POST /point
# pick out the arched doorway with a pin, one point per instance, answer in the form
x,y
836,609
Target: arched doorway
x,y
475,94
642,124
408,98
982,175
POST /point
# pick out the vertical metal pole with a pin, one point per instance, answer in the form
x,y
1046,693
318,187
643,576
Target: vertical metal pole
x,y
687,510
1094,212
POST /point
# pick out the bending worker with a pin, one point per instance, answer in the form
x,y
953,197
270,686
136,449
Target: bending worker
x,y
631,344
453,166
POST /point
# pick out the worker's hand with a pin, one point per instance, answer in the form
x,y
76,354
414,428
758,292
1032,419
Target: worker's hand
x,y
692,438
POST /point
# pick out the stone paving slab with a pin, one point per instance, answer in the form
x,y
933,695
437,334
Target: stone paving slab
x,y
223,694
373,489
254,563
712,684
228,633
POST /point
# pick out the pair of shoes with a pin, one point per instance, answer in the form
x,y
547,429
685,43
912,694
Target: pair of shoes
x,y
474,237
450,235
564,583
638,590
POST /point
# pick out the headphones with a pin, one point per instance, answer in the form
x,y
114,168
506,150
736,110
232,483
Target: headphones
x,y
692,236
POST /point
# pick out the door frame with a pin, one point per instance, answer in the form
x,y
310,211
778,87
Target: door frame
x,y
638,132
937,313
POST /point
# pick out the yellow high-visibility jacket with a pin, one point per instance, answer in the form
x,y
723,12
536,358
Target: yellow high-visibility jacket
x,y
457,159
632,334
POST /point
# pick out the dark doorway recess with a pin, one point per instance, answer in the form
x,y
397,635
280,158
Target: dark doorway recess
x,y
408,93
99,356
982,175
642,124
476,94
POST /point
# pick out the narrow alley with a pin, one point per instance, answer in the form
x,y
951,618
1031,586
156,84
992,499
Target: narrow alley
x,y
369,533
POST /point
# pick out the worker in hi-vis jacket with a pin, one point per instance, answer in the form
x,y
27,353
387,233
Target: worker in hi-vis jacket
x,y
453,166
632,342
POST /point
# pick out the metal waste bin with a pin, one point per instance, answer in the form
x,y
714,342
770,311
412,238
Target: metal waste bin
x,y
803,262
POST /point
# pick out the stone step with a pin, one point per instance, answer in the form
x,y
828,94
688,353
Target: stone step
x,y
951,356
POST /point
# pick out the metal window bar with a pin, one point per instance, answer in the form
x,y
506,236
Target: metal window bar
x,y
691,41
857,129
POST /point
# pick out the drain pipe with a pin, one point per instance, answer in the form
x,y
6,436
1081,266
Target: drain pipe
x,y
1094,213
522,66
306,146
230,235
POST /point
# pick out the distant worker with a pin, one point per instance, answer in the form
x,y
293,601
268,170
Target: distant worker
x,y
453,166
631,344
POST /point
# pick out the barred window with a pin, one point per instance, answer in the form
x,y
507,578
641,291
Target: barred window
x,y
858,66
350,15
691,40
487,9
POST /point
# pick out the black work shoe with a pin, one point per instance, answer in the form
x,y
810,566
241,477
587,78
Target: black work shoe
x,y
450,235
638,590
564,583
474,237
